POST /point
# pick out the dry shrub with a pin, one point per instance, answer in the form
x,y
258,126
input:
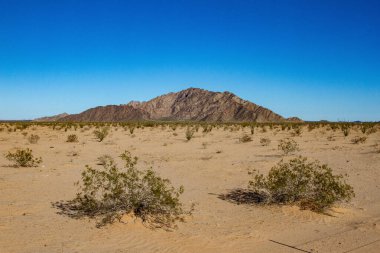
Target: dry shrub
x,y
189,134
358,139
345,130
72,138
308,184
296,132
33,139
288,146
330,138
23,158
101,134
245,138
110,192
265,141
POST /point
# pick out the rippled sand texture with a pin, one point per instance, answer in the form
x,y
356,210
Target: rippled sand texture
x,y
28,222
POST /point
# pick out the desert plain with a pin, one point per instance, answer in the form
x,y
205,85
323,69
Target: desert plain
x,y
210,166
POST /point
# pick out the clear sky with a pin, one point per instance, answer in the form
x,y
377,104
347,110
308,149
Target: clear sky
x,y
315,59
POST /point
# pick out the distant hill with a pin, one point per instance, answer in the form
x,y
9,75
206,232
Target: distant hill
x,y
192,104
52,118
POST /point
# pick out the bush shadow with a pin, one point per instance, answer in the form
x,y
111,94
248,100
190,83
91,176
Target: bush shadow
x,y
241,196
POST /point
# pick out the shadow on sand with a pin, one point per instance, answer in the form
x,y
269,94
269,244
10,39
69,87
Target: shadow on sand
x,y
242,196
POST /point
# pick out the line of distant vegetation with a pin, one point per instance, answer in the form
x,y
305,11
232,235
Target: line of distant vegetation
x,y
173,124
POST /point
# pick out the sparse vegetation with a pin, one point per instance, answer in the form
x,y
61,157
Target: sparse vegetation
x,y
72,138
330,138
131,129
104,159
308,184
23,158
358,139
288,146
33,138
296,132
245,138
189,134
265,141
111,192
101,134
345,130
252,130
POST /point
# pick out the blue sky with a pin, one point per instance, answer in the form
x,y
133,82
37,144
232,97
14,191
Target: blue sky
x,y
312,59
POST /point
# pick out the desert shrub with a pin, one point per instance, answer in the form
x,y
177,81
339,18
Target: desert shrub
x,y
308,184
245,138
311,127
72,138
265,141
371,130
345,130
296,132
104,160
358,139
23,158
330,138
252,130
131,129
108,193
363,128
189,134
207,128
33,138
288,146
24,134
101,134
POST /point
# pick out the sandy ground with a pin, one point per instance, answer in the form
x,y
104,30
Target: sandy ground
x,y
29,223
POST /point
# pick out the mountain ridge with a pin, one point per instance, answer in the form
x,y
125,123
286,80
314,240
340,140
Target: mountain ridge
x,y
192,104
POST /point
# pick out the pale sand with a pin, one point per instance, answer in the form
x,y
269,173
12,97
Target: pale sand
x,y
28,222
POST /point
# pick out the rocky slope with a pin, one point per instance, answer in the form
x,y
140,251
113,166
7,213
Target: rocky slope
x,y
52,118
191,105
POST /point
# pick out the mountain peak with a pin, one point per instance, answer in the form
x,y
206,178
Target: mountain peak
x,y
192,104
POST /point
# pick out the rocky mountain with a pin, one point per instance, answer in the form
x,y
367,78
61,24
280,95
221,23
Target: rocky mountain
x,y
188,105
52,118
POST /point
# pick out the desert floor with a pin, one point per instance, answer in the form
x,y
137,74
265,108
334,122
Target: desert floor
x,y
29,223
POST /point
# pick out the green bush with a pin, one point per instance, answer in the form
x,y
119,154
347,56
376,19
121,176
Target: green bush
x,y
101,134
23,158
33,138
288,146
308,184
72,138
110,192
